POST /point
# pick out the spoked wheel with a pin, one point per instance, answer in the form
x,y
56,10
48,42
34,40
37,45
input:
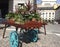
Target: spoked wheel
x,y
33,35
14,39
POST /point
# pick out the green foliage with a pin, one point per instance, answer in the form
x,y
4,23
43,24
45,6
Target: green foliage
x,y
34,15
19,18
22,18
9,15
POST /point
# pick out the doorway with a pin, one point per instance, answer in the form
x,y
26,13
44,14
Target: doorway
x,y
4,4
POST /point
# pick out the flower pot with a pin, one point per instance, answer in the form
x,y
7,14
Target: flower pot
x,y
33,19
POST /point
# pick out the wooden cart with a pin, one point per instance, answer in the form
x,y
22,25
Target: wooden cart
x,y
30,29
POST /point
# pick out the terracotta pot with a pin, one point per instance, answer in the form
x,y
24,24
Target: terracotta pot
x,y
33,19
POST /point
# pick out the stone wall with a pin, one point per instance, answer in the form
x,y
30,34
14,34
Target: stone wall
x,y
57,13
10,5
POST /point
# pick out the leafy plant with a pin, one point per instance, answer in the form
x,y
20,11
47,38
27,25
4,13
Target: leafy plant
x,y
9,15
19,18
28,5
34,15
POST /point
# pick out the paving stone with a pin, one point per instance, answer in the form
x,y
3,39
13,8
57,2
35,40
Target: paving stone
x,y
49,40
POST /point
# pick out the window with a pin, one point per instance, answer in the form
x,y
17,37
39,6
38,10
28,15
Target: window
x,y
49,14
43,15
53,13
52,18
49,18
46,18
46,14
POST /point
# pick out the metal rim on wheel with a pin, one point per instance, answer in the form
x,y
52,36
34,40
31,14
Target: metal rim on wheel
x,y
14,39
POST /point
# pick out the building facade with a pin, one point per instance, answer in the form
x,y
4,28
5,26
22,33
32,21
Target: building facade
x,y
47,10
57,13
47,15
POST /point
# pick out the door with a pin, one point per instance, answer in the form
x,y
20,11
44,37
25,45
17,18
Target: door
x,y
4,7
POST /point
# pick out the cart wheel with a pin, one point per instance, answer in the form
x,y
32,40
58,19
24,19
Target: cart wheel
x,y
14,39
33,35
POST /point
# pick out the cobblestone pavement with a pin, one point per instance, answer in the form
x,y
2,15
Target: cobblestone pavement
x,y
49,40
